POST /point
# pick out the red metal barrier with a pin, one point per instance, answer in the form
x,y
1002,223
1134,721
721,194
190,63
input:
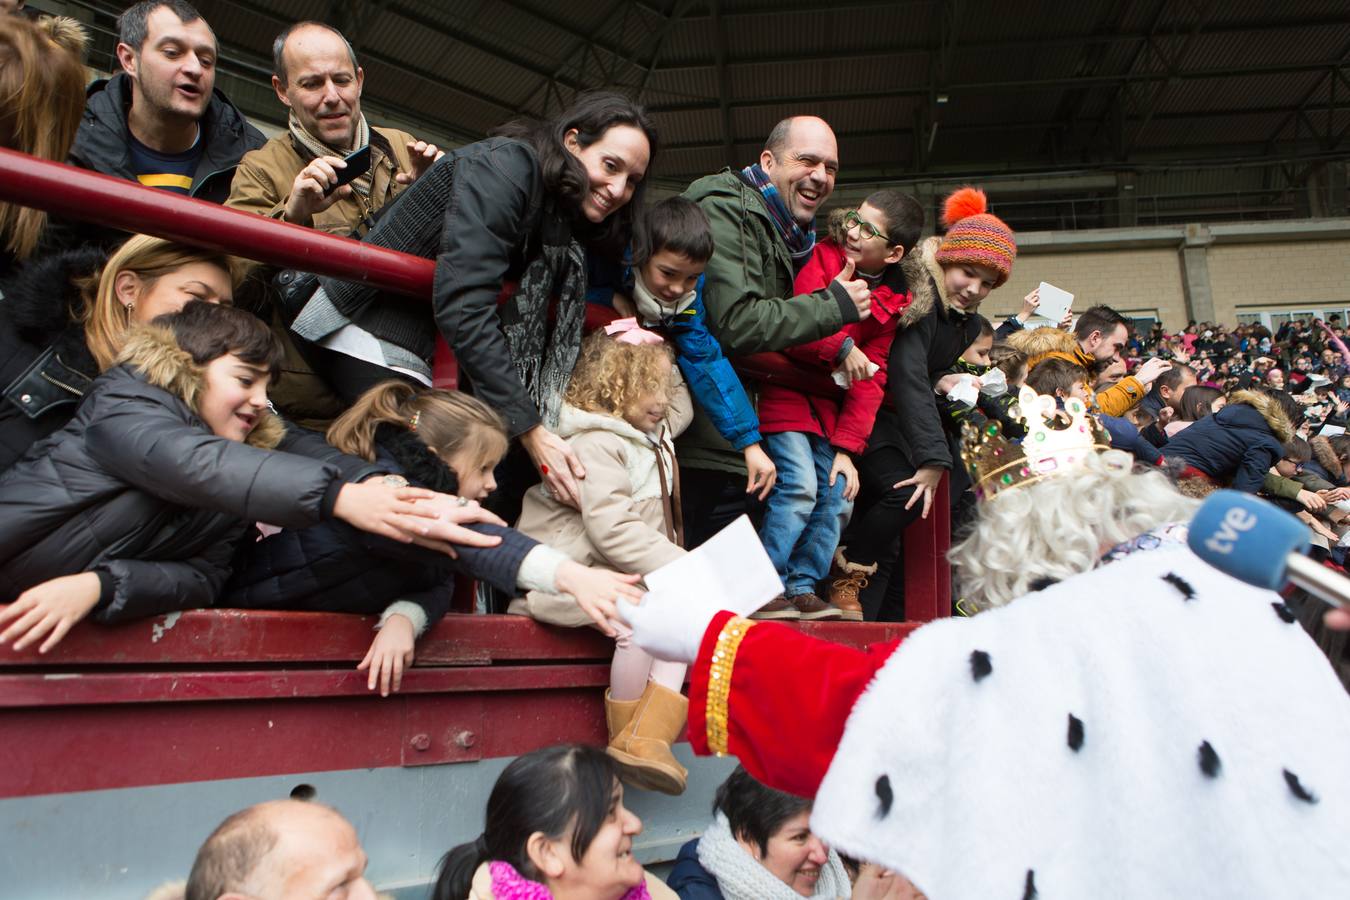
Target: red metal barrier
x,y
84,195
213,694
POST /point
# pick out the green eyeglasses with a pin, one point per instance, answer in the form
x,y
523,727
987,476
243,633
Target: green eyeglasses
x,y
865,228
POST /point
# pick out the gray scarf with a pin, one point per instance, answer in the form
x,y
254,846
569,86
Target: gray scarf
x,y
741,877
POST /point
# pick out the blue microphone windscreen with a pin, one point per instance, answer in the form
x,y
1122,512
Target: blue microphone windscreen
x,y
1246,537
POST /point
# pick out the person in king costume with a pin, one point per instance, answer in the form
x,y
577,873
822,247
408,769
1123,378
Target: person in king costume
x,y
1137,724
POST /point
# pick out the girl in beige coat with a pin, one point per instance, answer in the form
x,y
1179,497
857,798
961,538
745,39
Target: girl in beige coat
x,y
623,408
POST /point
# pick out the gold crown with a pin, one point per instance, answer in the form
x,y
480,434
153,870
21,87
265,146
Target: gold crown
x,y
1056,441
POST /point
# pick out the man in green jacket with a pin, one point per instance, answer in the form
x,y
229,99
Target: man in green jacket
x,y
763,226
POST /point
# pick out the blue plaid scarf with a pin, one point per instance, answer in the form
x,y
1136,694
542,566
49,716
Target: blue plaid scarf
x,y
800,241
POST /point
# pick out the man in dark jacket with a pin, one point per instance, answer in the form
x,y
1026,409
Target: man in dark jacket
x,y
763,225
160,121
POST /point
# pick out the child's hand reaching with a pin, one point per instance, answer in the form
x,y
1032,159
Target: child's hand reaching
x,y
843,466
760,472
390,653
596,590
51,608
1311,501
381,508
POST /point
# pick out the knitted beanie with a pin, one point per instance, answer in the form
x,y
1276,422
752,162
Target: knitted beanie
x,y
976,236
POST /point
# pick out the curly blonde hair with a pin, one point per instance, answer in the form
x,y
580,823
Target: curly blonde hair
x,y
610,376
1059,527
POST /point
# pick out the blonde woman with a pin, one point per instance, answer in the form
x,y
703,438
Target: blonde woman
x,y
63,322
42,82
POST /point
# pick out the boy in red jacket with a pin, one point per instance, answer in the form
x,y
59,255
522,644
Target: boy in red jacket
x,y
812,439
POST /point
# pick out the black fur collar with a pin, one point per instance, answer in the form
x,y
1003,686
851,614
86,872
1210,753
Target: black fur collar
x,y
42,303
418,462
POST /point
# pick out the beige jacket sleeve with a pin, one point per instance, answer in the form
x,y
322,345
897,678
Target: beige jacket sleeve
x,y
681,410
614,522
254,189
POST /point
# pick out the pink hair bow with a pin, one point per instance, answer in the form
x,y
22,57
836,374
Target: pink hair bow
x,y
628,331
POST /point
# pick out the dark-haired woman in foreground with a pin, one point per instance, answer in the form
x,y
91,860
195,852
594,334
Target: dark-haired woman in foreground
x,y
556,826
510,221
758,847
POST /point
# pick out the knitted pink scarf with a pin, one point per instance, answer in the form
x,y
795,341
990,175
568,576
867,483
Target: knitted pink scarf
x,y
508,884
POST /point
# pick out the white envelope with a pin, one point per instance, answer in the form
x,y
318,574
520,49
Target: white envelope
x,y
1055,302
729,571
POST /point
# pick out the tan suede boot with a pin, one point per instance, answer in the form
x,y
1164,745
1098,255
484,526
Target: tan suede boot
x,y
642,745
845,588
618,713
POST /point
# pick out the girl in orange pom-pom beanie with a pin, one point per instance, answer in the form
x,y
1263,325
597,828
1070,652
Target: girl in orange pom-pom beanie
x,y
909,449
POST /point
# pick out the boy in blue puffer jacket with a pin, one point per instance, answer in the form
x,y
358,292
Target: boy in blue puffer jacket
x,y
671,248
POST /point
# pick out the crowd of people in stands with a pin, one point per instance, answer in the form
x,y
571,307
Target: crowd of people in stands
x,y
184,429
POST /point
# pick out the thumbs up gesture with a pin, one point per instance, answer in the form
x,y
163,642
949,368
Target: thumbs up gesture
x,y
856,288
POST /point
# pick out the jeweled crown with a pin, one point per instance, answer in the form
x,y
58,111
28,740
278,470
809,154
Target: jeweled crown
x,y
1056,441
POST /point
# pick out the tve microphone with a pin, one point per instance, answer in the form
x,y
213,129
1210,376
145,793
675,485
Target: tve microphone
x,y
1261,544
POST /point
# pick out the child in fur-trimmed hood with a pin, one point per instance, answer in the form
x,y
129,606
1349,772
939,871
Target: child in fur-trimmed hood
x,y
1238,444
908,451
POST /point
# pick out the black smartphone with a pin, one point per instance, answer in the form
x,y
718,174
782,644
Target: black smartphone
x,y
358,164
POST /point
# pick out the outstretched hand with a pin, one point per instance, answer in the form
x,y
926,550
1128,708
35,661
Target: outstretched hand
x,y
49,610
596,591
389,655
925,482
383,509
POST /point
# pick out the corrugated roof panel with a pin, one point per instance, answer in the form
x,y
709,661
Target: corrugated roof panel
x,y
507,49
991,20
682,86
687,127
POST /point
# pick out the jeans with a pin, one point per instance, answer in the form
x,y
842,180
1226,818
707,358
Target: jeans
x,y
804,514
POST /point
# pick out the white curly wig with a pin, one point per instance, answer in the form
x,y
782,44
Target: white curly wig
x,y
1060,526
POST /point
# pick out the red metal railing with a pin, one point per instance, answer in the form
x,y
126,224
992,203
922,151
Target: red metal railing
x,y
84,195
80,194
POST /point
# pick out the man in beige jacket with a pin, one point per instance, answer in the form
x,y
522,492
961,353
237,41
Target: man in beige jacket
x,y
316,76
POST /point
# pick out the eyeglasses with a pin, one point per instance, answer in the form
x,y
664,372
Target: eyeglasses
x,y
865,228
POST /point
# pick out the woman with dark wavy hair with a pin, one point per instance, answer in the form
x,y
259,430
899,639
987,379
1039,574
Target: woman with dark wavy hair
x,y
509,221
555,826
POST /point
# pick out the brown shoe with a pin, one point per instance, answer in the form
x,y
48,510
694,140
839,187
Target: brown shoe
x,y
777,608
847,585
812,607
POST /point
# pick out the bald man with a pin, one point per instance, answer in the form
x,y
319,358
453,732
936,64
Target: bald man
x,y
293,176
763,226
281,850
